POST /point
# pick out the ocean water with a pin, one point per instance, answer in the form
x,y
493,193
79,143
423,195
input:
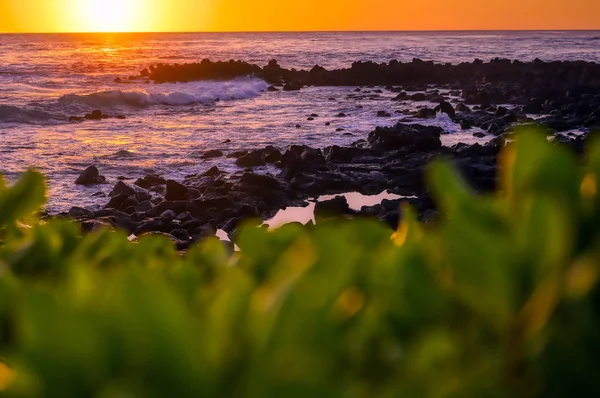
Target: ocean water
x,y
44,79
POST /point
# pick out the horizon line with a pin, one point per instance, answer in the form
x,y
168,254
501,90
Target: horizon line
x,y
305,31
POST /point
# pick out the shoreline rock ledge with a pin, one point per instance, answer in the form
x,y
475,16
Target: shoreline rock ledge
x,y
391,158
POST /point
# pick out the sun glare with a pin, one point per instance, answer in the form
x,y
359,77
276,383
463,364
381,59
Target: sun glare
x,y
109,15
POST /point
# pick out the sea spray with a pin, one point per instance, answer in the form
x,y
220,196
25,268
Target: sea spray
x,y
169,94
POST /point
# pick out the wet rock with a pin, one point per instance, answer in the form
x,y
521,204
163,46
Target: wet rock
x,y
96,115
90,176
407,136
116,202
496,128
383,114
418,97
272,155
502,111
141,195
301,159
272,89
150,181
122,188
215,153
185,216
426,113
193,193
231,225
79,213
203,231
175,191
339,154
535,107
445,107
246,210
180,234
258,181
237,154
293,86
168,215
208,207
333,207
151,225
212,172
143,207
251,159
461,107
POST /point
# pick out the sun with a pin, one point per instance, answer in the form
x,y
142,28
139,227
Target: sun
x,y
110,15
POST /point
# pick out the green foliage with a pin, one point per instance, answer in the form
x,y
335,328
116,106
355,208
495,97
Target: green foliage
x,y
498,298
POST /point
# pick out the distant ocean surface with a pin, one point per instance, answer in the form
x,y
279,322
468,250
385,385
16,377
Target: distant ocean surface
x,y
44,79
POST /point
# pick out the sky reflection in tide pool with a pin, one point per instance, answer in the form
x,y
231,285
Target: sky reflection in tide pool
x,y
305,215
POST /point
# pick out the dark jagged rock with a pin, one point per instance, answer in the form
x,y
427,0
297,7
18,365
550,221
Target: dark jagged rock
x,y
445,107
215,153
117,201
426,113
122,188
252,159
333,207
293,86
79,213
212,172
176,191
402,136
90,176
96,115
258,182
567,90
301,159
150,181
461,107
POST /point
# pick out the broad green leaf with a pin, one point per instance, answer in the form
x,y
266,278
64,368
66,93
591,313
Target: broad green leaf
x,y
23,198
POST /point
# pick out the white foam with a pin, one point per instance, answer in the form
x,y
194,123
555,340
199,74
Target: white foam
x,y
170,94
442,120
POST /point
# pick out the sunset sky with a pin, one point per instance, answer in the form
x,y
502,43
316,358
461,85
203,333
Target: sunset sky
x,y
294,15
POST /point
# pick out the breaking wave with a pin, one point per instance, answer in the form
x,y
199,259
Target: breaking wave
x,y
182,94
14,114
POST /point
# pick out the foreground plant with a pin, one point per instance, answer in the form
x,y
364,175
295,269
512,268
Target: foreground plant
x,y
499,297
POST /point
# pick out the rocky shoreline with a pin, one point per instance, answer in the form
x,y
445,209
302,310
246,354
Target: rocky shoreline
x,y
567,93
562,95
494,97
391,159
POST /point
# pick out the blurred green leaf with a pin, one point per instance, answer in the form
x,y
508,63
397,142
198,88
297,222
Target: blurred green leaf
x,y
23,198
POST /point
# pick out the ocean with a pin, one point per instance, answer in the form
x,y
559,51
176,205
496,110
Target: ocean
x,y
45,79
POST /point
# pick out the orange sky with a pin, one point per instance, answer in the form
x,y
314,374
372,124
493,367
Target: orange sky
x,y
281,15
